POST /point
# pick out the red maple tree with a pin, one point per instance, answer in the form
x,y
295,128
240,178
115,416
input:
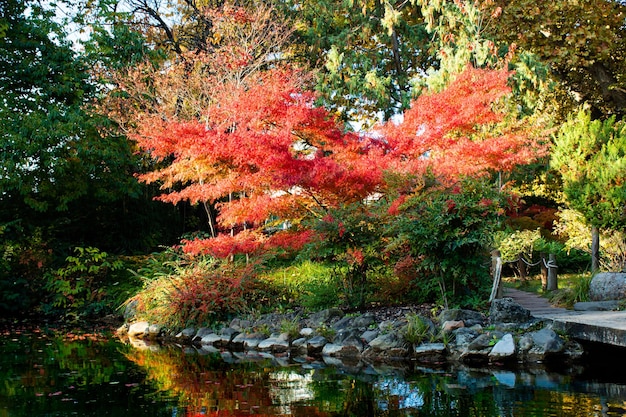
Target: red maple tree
x,y
262,150
461,131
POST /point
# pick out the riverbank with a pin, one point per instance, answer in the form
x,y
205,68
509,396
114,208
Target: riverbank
x,y
508,334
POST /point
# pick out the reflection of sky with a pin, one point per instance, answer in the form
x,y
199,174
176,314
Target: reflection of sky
x,y
404,395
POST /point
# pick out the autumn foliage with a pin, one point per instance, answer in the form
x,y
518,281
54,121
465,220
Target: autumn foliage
x,y
263,151
460,131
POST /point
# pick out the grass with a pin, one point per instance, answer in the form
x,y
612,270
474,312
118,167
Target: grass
x,y
572,288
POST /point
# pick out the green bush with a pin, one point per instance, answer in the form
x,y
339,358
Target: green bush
x,y
80,287
448,231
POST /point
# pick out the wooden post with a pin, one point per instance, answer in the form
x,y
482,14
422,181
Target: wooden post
x,y
521,265
496,270
552,277
544,272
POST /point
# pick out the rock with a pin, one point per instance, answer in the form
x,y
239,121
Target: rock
x,y
210,339
343,323
186,334
299,345
547,340
316,344
609,305
468,317
484,342
332,349
203,331
123,330
505,310
540,345
525,343
463,337
138,329
274,344
239,324
479,348
345,334
364,321
306,331
354,341
248,340
503,349
385,342
369,335
324,316
430,352
573,350
607,286
450,325
227,334
154,331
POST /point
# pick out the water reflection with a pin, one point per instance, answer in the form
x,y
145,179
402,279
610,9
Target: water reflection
x,y
57,376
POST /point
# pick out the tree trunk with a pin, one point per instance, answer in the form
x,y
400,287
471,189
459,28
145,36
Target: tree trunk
x,y
595,249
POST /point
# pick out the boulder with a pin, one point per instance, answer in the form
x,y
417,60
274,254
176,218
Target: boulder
x,y
316,344
344,351
386,341
210,339
324,316
369,335
540,345
606,286
468,317
450,325
274,344
363,322
247,340
203,331
154,331
547,340
478,349
138,329
463,337
430,352
186,334
306,331
506,310
299,345
504,349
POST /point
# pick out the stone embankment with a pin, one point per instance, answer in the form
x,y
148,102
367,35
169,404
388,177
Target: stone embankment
x,y
508,334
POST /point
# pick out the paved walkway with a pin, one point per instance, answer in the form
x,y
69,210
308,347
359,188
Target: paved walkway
x,y
607,327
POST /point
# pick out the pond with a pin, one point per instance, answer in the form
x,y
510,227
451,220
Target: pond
x,y
44,374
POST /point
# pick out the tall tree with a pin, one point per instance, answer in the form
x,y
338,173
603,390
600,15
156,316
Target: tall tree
x,y
57,158
581,41
366,53
590,155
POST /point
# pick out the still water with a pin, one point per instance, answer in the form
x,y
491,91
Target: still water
x,y
44,374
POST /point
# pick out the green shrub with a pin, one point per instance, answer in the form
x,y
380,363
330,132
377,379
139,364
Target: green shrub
x,y
448,232
80,287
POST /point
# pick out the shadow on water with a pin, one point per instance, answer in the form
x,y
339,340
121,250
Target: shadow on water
x,y
88,375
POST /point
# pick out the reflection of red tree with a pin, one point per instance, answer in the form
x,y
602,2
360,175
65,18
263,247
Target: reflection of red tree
x,y
207,386
303,411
